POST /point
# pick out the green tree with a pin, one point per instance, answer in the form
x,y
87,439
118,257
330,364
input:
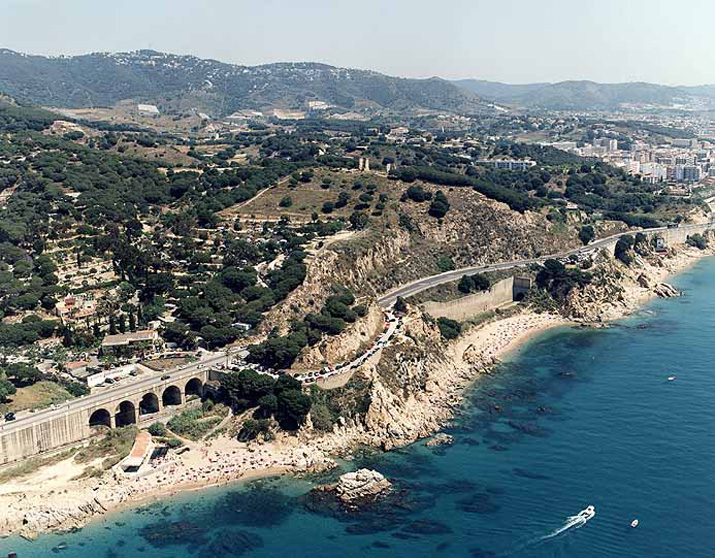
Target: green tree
x,y
623,249
400,305
293,407
445,263
23,374
358,220
439,206
449,329
465,284
586,234
157,429
246,387
6,389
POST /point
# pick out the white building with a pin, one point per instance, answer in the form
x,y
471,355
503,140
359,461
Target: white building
x,y
507,164
151,110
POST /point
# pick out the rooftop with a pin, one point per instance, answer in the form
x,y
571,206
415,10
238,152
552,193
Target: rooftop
x,y
127,338
140,450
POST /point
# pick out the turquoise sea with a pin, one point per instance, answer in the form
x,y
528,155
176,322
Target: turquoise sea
x,y
575,418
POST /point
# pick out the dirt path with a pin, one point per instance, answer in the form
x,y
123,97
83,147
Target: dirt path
x,y
230,210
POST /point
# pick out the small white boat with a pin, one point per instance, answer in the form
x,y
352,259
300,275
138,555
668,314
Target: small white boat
x,y
671,378
634,523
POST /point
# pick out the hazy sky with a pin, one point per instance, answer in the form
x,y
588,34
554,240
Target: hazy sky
x,y
664,41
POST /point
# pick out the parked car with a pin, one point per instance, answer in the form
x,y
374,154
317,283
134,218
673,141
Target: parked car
x,y
109,381
9,417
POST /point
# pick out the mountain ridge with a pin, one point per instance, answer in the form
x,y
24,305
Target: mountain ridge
x,y
181,81
588,94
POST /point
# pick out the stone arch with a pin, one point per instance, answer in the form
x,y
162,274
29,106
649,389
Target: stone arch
x,y
100,417
149,404
194,387
171,396
126,414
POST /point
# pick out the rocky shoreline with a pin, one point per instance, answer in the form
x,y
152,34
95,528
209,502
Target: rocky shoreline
x,y
416,388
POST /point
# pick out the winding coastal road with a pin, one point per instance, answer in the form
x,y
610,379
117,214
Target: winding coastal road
x,y
411,289
151,380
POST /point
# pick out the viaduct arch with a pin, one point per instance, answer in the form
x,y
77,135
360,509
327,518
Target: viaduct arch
x,y
121,405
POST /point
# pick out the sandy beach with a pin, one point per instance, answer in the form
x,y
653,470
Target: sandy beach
x,y
55,498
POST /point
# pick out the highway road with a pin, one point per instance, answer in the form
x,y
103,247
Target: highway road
x,y
149,381
411,289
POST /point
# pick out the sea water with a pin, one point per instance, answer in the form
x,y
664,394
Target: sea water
x,y
575,418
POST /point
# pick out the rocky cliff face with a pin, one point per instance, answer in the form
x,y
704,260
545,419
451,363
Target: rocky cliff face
x,y
411,392
387,254
344,347
616,288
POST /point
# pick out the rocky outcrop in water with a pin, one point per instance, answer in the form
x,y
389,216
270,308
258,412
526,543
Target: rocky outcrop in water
x,y
361,486
440,439
41,520
664,290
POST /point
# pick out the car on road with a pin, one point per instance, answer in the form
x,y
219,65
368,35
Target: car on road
x,y
166,377
9,417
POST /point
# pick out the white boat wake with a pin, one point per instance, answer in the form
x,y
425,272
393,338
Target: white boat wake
x,y
573,522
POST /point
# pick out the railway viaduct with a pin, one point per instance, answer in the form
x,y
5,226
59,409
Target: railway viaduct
x,y
138,403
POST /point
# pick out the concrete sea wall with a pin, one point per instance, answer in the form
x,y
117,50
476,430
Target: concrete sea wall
x,y
466,307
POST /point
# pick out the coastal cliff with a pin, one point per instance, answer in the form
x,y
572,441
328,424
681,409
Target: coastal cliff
x,y
410,392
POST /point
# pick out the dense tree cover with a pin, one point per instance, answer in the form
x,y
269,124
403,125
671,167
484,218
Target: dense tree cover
x,y
358,220
473,283
445,263
28,331
623,249
280,398
417,194
22,374
559,281
543,154
487,186
15,117
252,429
631,220
697,240
75,389
620,197
449,329
280,352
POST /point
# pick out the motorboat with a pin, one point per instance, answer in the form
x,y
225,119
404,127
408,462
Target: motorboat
x,y
634,523
587,514
671,378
